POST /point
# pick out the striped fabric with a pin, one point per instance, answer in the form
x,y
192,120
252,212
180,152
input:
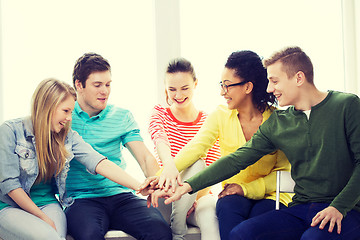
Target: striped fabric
x,y
166,128
107,133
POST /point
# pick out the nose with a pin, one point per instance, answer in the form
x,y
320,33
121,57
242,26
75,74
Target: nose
x,y
105,90
69,117
178,95
270,88
222,91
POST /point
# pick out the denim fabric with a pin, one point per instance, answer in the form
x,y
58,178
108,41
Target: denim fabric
x,y
17,224
293,223
91,218
18,165
234,209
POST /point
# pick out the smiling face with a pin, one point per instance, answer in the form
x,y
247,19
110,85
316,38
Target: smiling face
x,y
235,96
284,89
62,114
94,96
180,88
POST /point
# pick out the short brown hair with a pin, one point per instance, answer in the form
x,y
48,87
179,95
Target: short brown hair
x,y
293,60
88,64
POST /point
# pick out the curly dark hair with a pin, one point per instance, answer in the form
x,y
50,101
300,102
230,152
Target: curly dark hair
x,y
248,66
87,64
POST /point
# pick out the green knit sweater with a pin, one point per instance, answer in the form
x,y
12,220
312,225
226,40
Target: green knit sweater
x,y
324,152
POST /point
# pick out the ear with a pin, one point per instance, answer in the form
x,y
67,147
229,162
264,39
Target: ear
x,y
300,78
195,83
249,87
78,85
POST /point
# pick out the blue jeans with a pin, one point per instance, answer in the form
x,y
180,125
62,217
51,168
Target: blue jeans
x,y
294,223
16,223
234,209
91,218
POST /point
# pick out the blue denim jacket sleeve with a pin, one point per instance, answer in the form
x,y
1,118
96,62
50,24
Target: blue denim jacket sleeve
x,y
9,161
83,152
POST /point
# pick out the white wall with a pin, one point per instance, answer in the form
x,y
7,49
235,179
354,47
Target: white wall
x,y
211,30
42,38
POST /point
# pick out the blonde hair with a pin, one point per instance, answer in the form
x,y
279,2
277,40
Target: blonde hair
x,y
50,146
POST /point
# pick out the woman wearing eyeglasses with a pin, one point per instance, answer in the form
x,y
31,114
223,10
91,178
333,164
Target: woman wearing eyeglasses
x,y
252,191
170,129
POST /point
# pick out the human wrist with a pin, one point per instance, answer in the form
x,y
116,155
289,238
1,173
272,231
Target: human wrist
x,y
187,187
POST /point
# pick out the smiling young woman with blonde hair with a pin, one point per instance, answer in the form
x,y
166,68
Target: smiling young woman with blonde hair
x,y
35,154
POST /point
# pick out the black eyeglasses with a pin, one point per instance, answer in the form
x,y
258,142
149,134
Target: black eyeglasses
x,y
226,87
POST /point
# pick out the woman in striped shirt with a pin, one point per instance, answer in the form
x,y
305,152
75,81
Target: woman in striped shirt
x,y
171,128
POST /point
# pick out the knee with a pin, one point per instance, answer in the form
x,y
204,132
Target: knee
x,y
85,234
223,206
157,228
243,231
160,231
44,235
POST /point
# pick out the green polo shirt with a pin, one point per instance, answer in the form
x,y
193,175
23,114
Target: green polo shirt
x,y
324,152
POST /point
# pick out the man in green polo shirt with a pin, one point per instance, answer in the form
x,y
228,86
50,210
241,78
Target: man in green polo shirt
x,y
320,135
101,204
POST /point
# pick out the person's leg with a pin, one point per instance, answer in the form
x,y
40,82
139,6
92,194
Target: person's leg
x,y
130,214
55,212
206,219
263,206
284,224
231,211
350,227
165,209
87,219
17,224
182,206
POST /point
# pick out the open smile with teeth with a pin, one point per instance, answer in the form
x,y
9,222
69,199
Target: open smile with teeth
x,y
277,95
180,101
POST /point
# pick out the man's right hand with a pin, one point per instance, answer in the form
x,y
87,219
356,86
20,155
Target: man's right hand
x,y
169,195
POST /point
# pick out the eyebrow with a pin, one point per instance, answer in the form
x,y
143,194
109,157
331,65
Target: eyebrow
x,y
226,80
100,82
187,85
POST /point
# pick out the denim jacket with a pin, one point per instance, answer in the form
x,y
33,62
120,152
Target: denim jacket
x,y
18,160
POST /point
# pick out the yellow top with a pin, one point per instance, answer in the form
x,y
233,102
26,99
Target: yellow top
x,y
258,181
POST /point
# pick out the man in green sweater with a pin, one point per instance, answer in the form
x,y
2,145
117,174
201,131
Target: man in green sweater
x,y
320,135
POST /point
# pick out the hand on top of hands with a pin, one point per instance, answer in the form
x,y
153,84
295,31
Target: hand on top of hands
x,y
170,177
148,186
168,195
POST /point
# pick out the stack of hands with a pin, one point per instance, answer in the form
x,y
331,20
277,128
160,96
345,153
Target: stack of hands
x,y
172,190
157,187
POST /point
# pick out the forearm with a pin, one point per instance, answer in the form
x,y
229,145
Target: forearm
x,y
261,186
164,152
24,201
151,166
224,168
350,195
116,174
